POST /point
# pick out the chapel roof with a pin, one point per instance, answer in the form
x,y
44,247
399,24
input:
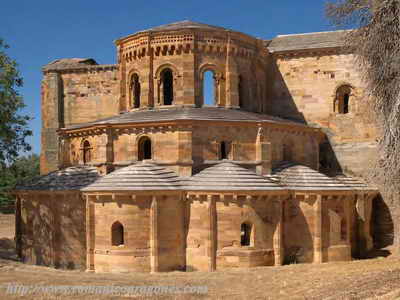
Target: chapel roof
x,y
305,41
186,24
173,114
228,176
72,178
60,64
295,176
142,176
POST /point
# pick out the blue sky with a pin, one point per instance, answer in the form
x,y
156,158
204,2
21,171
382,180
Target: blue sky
x,y
41,31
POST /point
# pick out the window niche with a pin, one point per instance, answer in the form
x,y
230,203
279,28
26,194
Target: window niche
x,y
342,102
86,152
167,87
144,148
209,88
224,151
135,91
246,234
117,234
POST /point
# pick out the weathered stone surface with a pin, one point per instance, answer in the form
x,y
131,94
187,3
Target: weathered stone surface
x,y
161,182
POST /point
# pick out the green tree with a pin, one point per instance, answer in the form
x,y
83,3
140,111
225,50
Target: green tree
x,y
375,41
13,125
22,170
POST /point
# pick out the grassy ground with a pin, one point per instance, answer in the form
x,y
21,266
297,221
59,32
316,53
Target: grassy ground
x,y
365,279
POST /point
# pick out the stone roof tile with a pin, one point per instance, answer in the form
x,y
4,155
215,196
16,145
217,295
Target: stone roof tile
x,y
315,40
141,176
64,63
299,177
186,24
172,114
228,176
72,178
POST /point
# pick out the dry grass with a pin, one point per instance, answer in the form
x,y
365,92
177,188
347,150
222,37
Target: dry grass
x,y
373,278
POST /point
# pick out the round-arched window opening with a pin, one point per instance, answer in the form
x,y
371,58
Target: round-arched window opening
x,y
342,100
167,83
144,151
135,89
241,90
209,88
87,155
245,234
117,234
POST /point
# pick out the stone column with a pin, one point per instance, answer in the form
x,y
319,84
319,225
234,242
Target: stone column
x,y
185,161
212,230
154,248
263,153
232,78
90,232
318,230
278,239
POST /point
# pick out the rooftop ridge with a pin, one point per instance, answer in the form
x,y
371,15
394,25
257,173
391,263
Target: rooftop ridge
x,y
309,33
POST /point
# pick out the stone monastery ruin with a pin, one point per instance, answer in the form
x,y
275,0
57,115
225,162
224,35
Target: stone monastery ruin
x,y
140,175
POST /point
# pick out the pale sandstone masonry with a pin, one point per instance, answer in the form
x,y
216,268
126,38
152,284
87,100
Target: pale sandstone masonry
x,y
173,184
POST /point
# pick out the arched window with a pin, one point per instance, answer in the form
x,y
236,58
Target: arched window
x,y
144,149
135,89
223,152
245,234
342,100
117,234
209,88
87,156
241,90
167,84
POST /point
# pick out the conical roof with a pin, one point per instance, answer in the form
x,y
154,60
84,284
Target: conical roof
x,y
355,183
299,177
186,24
142,176
228,176
72,178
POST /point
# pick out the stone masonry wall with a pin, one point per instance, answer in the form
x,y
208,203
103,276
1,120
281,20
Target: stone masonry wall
x,y
71,97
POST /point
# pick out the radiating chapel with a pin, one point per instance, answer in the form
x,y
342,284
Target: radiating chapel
x,y
141,174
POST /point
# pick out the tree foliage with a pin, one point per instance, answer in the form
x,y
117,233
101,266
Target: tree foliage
x,y
375,41
23,169
13,125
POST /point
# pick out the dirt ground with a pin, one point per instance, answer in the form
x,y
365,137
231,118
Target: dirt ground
x,y
377,278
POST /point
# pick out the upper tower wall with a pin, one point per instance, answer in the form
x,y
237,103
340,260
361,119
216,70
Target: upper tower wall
x,y
74,91
166,65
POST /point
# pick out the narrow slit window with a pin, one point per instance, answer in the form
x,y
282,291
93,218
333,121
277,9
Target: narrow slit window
x,y
245,234
135,91
167,86
87,155
209,89
144,151
117,234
